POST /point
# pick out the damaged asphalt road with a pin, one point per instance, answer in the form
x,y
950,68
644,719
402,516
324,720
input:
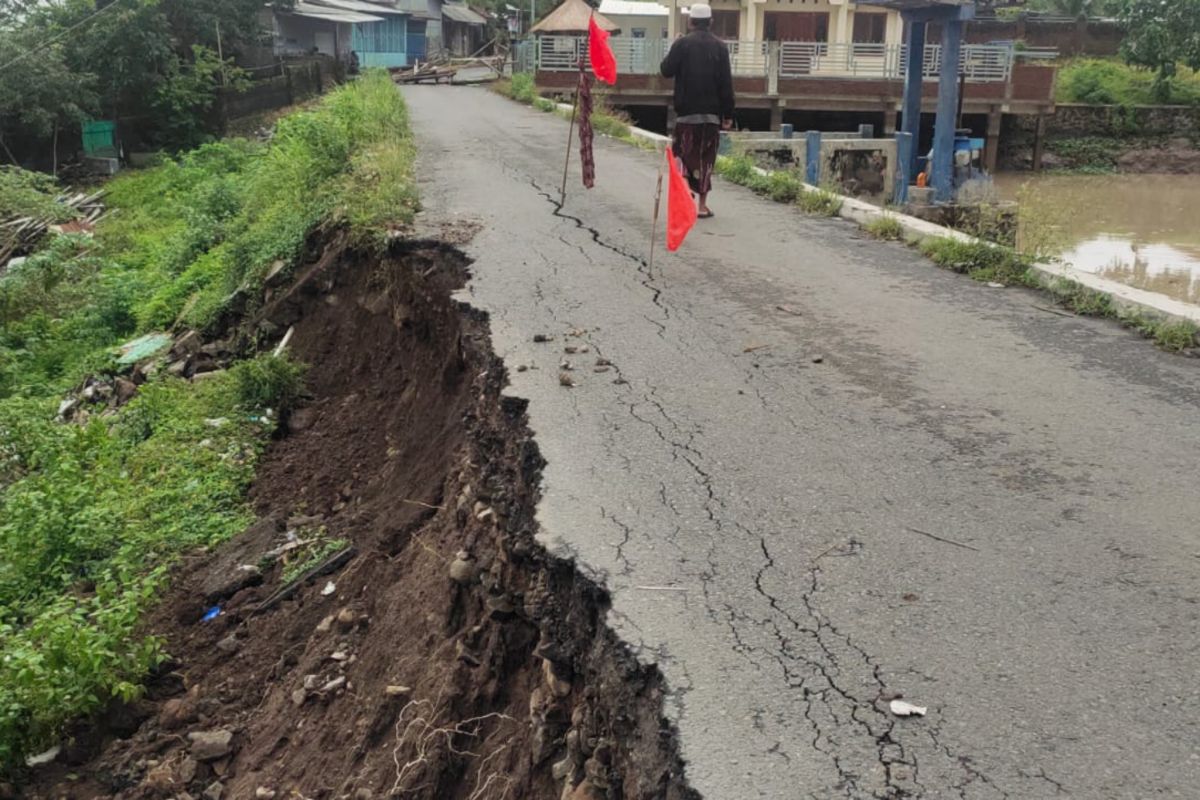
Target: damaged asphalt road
x,y
820,474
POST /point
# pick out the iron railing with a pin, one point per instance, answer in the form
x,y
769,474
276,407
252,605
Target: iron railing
x,y
980,63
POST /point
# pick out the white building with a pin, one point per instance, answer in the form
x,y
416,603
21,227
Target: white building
x,y
638,20
834,22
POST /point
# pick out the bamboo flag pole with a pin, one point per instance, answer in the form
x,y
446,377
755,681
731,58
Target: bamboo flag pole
x,y
562,199
654,224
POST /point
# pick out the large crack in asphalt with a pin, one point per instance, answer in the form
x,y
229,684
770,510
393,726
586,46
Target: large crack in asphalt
x,y
830,704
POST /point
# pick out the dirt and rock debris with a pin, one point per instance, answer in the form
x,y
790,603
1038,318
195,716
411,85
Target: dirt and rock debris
x,y
434,649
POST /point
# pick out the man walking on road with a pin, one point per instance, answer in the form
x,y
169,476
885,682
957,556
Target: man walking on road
x,y
699,63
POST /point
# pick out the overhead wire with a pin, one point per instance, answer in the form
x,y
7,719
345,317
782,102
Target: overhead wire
x,y
47,42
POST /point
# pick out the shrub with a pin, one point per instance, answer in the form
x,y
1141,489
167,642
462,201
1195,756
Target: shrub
x,y
784,187
91,518
522,88
268,381
1111,82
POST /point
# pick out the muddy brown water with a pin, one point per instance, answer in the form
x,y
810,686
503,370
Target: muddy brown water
x,y
1143,230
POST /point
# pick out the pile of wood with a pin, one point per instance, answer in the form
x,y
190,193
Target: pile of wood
x,y
19,235
436,70
442,67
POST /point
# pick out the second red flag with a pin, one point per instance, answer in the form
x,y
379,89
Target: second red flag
x,y
604,63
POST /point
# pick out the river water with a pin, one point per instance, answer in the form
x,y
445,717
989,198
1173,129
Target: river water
x,y
1143,230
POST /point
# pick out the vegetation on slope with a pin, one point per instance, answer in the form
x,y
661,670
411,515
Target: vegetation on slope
x,y
94,512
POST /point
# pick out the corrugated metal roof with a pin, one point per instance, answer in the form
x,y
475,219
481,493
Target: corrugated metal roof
x,y
462,14
354,5
310,11
632,8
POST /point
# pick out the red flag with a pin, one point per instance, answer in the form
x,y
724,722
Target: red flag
x,y
604,63
681,209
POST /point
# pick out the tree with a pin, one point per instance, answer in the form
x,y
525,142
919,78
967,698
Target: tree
x,y
39,94
1160,35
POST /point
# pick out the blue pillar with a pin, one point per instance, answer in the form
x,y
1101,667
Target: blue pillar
x,y
947,112
914,41
904,160
812,158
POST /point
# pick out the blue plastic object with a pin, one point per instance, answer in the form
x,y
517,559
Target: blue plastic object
x,y
211,614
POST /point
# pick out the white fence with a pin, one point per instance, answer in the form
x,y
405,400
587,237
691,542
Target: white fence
x,y
980,63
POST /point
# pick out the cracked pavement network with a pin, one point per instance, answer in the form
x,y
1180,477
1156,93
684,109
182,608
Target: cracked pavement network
x,y
964,501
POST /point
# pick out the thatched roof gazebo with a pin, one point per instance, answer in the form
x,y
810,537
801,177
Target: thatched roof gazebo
x,y
571,19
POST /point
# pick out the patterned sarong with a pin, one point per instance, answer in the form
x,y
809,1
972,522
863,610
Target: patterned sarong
x,y
696,146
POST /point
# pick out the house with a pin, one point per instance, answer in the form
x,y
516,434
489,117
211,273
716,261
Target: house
x,y
570,18
462,29
307,28
395,39
637,20
831,22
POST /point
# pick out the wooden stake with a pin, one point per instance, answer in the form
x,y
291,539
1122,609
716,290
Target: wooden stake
x,y
654,225
562,200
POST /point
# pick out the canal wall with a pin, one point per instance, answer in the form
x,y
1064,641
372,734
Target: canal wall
x,y
1144,139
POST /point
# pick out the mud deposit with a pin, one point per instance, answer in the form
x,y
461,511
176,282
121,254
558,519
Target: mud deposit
x,y
452,658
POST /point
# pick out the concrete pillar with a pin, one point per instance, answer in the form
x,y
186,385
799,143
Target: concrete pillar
x,y
894,34
904,153
992,151
776,116
672,21
889,121
773,56
947,112
1039,142
812,158
750,23
842,33
913,82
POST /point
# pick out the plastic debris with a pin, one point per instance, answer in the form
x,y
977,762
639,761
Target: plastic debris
x,y
142,348
329,589
903,709
211,614
43,758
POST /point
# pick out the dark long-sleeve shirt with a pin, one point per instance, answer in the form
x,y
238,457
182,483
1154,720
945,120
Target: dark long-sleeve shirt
x,y
699,63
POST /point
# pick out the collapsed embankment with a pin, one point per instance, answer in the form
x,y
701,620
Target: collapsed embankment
x,y
438,651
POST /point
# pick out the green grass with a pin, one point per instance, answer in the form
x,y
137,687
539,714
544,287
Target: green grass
x,y
606,120
94,513
316,548
822,202
1088,154
1112,82
886,227
782,186
978,260
996,263
1171,335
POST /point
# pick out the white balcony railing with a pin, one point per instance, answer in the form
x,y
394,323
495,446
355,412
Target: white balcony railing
x,y
980,63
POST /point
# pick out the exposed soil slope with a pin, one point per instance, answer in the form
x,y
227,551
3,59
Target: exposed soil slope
x,y
452,658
